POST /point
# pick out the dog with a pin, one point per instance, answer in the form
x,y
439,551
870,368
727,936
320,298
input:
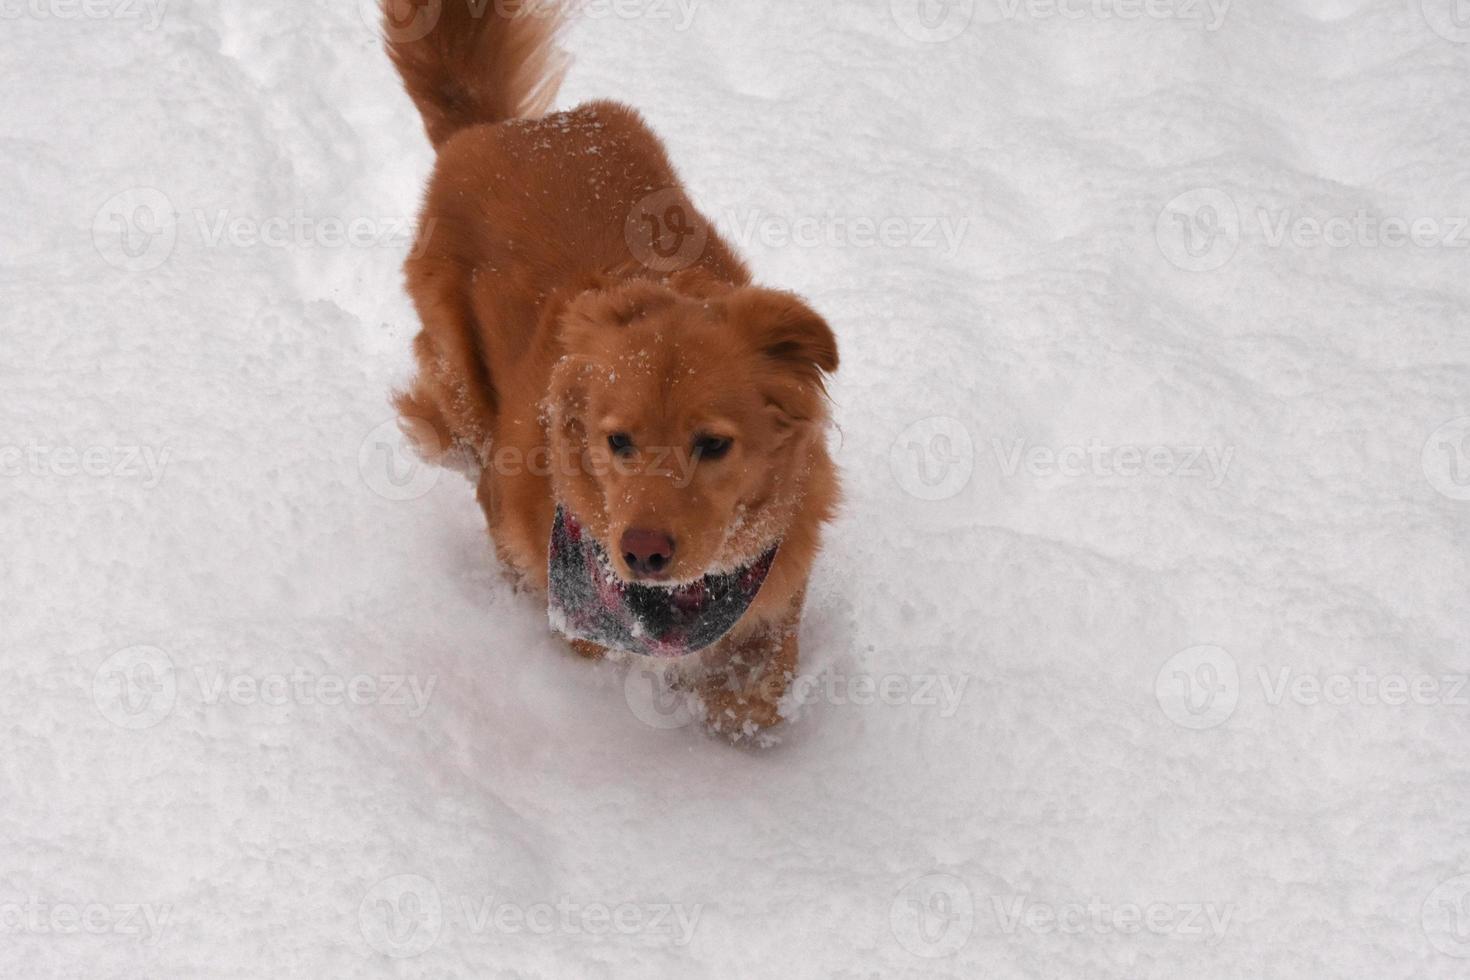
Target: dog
x,y
645,425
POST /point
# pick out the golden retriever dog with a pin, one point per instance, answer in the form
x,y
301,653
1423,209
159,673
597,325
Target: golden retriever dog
x,y
645,424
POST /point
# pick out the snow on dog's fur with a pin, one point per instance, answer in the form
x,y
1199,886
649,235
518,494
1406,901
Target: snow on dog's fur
x,y
589,341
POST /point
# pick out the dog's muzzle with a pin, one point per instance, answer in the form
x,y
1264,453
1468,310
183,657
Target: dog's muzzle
x,y
589,601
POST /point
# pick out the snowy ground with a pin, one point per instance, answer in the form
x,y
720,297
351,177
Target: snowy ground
x,y
1139,651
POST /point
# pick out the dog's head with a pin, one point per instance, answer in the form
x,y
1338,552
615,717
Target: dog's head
x,y
688,422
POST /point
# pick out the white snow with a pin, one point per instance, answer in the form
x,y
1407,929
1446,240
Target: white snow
x,y
1144,533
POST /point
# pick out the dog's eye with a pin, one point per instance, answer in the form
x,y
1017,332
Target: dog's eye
x,y
620,443
710,447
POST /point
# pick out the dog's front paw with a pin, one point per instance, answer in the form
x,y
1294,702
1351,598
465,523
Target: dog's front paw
x,y
589,651
739,715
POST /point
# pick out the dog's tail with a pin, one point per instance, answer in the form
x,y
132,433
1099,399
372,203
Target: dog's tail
x,y
467,62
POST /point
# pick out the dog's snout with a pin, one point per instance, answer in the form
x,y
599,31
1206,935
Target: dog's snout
x,y
647,552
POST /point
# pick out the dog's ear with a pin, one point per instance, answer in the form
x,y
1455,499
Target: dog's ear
x,y
786,332
797,350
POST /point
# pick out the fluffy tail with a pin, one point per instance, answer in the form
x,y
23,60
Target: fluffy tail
x,y
467,62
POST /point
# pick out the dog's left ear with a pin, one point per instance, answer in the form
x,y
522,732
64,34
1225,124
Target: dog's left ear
x,y
798,350
787,332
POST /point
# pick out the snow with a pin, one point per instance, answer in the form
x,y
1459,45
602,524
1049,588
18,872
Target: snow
x,y
1139,649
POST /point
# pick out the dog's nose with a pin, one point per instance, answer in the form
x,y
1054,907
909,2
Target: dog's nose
x,y
647,552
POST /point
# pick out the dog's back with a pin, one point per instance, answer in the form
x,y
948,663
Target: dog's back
x,y
523,211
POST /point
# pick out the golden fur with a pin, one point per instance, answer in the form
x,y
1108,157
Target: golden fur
x,y
553,318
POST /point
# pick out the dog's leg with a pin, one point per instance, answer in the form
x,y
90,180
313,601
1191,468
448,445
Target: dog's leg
x,y
590,651
742,694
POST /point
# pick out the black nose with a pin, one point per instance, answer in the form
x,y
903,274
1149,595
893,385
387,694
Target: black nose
x,y
647,552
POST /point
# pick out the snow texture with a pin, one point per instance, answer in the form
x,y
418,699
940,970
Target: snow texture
x,y
1139,649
